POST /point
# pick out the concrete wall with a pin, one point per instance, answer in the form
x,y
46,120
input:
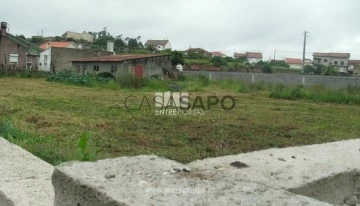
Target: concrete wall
x,y
295,66
25,180
45,66
356,70
61,57
152,65
286,79
314,175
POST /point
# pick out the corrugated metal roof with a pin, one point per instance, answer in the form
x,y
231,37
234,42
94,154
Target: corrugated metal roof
x,y
119,58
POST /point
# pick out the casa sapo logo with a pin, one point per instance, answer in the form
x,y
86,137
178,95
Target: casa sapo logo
x,y
177,103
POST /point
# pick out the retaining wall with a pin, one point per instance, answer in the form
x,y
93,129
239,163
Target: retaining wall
x,y
286,79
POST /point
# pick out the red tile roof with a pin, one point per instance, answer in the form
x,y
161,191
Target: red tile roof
x,y
217,53
254,55
237,55
249,55
321,54
61,44
292,61
118,58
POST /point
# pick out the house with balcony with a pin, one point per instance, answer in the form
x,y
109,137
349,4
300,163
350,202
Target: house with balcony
x,y
338,60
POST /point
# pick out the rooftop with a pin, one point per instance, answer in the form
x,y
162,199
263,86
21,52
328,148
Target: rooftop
x,y
249,55
217,53
331,54
119,58
292,61
61,44
156,42
32,48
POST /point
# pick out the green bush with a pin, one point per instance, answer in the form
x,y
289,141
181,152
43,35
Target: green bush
x,y
90,80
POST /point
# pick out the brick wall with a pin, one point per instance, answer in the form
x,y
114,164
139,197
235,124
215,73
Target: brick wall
x,y
8,47
286,79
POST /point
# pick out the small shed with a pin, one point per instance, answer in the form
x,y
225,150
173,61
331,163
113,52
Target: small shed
x,y
138,65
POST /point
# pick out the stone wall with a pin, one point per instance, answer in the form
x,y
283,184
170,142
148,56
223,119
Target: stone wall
x,y
286,79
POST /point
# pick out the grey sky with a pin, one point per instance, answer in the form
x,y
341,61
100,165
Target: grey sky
x,y
228,25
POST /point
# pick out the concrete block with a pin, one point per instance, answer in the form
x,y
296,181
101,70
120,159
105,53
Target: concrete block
x,y
25,180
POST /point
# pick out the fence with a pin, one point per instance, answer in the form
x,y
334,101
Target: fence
x,y
286,79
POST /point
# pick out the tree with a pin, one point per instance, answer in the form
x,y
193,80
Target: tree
x,y
177,58
308,69
242,59
279,64
266,68
218,61
319,69
21,37
331,71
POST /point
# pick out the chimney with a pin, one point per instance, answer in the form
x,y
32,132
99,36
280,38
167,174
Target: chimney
x,y
47,45
3,28
110,46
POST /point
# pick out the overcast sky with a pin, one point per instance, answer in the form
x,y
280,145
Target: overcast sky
x,y
228,26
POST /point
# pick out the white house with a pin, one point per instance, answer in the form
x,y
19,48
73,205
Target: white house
x,y
158,44
338,60
179,67
294,63
45,56
44,60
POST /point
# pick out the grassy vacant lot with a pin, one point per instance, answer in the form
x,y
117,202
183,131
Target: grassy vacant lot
x,y
47,118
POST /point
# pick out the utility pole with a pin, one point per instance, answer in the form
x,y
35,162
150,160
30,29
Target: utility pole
x,y
274,54
303,59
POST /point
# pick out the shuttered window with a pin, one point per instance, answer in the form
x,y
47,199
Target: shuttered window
x,y
14,58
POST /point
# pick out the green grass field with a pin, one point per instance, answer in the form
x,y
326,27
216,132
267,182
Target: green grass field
x,y
48,119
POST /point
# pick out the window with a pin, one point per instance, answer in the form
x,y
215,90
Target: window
x,y
45,59
342,63
325,60
318,60
113,68
96,68
335,62
14,58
